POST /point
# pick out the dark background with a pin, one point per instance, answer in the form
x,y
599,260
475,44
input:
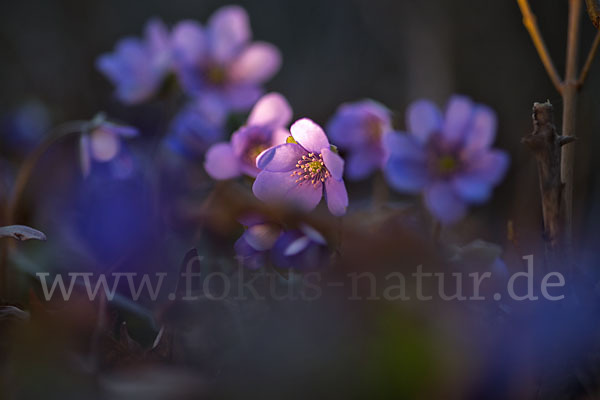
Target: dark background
x,y
333,51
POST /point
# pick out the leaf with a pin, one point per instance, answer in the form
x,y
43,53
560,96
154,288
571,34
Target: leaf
x,y
11,312
21,232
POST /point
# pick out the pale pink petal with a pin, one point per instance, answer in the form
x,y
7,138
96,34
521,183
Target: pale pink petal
x,y
423,119
337,196
273,110
309,135
333,162
229,30
256,64
221,163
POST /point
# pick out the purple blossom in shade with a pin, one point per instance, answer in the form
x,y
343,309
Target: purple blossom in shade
x,y
265,128
299,172
303,248
255,243
138,67
24,127
220,63
448,158
358,128
194,129
101,141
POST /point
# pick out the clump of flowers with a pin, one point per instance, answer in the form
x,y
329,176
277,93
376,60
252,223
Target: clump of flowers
x,y
268,243
219,63
448,158
265,128
194,129
255,243
303,248
358,128
138,67
301,171
101,141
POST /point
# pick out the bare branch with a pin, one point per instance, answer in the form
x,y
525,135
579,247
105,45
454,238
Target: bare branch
x,y
589,60
530,23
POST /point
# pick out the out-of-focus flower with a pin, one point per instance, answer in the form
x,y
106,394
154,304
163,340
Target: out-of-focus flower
x,y
358,128
194,129
219,63
101,141
255,243
23,128
303,248
266,127
448,158
300,171
138,67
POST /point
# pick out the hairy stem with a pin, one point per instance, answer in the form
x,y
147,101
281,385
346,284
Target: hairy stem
x,y
22,179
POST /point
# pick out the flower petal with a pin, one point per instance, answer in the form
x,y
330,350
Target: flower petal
x,y
443,202
280,158
271,110
471,189
256,64
361,164
242,97
262,237
489,166
84,155
482,130
189,43
406,175
229,30
104,145
281,187
333,162
309,135
354,124
157,37
221,163
273,186
297,246
305,196
401,145
423,118
280,136
458,116
337,196
243,248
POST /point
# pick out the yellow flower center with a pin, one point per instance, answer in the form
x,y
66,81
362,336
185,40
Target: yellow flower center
x,y
447,164
311,168
216,75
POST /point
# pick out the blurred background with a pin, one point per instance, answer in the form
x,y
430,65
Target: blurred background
x,y
334,51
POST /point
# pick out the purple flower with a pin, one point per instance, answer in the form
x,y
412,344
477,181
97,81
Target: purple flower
x,y
219,63
299,172
138,67
194,129
303,248
266,127
255,243
448,158
358,128
101,141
